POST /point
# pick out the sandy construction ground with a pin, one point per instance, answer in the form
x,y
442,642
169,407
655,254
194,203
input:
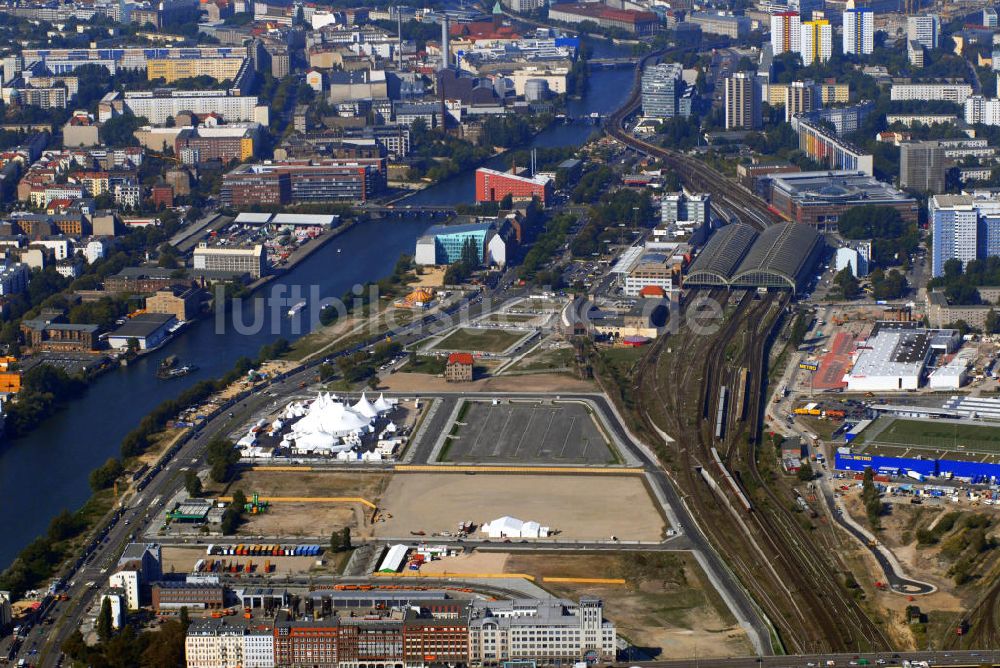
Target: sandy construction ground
x,y
681,618
304,520
581,507
468,562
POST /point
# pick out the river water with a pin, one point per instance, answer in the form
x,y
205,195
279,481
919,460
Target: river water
x,y
47,470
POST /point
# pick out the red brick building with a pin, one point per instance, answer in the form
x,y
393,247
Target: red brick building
x,y
162,194
493,186
459,368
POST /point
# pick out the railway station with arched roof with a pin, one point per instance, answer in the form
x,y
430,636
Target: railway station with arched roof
x,y
779,257
721,256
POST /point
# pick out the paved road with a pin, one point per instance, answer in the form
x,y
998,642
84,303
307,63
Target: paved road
x,y
937,659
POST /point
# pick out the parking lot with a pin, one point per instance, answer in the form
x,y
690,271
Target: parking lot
x,y
522,433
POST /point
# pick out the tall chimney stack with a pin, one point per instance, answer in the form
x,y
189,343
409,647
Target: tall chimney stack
x,y
445,51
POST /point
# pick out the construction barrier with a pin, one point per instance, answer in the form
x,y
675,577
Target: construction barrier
x,y
601,581
289,469
450,468
312,499
462,576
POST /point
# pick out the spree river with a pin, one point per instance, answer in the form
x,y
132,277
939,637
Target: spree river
x,y
47,471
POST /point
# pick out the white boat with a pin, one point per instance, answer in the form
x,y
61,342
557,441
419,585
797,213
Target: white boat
x,y
298,306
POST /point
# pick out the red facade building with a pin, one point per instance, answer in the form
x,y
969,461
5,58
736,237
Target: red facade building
x,y
493,186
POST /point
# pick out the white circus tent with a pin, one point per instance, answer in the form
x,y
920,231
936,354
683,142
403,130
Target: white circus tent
x,y
329,426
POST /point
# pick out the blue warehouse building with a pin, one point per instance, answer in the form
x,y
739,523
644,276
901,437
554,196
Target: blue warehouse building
x,y
934,468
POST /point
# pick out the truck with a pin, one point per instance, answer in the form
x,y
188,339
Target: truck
x,y
919,477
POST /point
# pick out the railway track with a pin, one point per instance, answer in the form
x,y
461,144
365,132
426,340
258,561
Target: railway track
x,y
743,204
791,578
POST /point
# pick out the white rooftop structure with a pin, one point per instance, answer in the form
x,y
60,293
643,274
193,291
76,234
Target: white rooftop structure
x,y
891,359
952,375
253,218
979,408
627,259
296,219
328,426
393,559
511,527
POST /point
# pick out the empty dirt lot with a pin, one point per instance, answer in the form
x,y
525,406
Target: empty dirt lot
x,y
304,519
581,507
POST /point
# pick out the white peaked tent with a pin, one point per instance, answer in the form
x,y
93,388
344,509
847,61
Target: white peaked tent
x,y
326,425
511,527
365,407
383,405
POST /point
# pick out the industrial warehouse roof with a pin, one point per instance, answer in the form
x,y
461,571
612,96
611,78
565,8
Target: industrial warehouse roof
x,y
782,252
722,254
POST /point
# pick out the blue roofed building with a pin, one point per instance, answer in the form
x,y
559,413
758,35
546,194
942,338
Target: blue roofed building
x,y
445,244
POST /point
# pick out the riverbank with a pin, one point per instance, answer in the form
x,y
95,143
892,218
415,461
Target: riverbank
x,y
302,253
156,440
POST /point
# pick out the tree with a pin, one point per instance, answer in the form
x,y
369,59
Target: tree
x,y
799,328
847,283
239,500
870,498
192,483
104,627
340,541
345,540
992,324
221,456
806,472
105,475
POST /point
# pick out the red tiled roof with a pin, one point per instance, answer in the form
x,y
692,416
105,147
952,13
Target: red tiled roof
x,y
652,291
461,358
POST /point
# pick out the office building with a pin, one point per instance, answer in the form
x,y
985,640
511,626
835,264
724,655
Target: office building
x,y
826,147
820,198
963,227
743,110
287,182
728,25
549,632
798,99
159,105
924,30
915,53
817,42
14,278
990,17
922,166
64,61
493,186
685,209
856,258
635,22
170,597
224,643
979,109
948,92
786,33
859,31
662,87
446,244
230,259
172,69
237,141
